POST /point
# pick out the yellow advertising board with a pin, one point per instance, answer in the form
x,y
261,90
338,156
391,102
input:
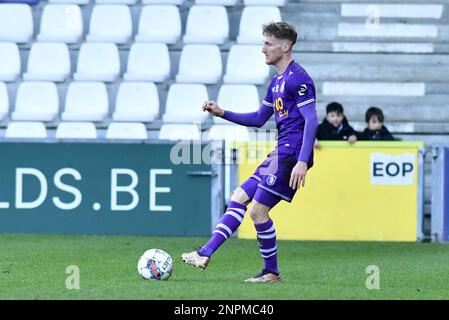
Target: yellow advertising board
x,y
365,192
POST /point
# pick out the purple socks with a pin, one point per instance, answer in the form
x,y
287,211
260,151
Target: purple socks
x,y
228,223
266,234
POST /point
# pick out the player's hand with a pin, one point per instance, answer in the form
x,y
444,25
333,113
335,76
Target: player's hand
x,y
298,175
213,108
352,139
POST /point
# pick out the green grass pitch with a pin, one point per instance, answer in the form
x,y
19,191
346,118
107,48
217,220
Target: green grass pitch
x,y
33,267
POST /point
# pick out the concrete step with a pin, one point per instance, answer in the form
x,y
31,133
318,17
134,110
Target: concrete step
x,y
370,47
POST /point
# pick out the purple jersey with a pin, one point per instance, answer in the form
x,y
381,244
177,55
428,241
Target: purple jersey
x,y
286,94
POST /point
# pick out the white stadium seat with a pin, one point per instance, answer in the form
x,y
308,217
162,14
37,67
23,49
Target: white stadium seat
x,y
36,101
251,22
110,23
4,101
277,3
207,24
76,130
61,23
170,2
127,130
246,65
98,62
16,23
184,103
237,98
179,132
26,130
78,2
227,3
128,2
9,61
228,133
136,101
200,63
148,62
159,24
48,62
86,101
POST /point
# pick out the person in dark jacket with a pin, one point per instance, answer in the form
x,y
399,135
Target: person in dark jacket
x,y
335,126
375,130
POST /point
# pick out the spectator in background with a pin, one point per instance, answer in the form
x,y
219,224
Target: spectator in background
x,y
376,130
335,126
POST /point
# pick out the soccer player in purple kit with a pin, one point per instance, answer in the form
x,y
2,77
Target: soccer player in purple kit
x,y
291,97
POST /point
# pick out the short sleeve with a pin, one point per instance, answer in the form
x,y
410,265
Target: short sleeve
x,y
302,89
268,100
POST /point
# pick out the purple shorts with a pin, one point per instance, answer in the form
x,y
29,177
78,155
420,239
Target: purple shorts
x,y
270,182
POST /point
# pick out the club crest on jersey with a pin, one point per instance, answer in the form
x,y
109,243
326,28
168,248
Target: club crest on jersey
x,y
271,179
302,90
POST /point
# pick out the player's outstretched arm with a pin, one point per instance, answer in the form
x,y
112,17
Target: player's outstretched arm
x,y
251,119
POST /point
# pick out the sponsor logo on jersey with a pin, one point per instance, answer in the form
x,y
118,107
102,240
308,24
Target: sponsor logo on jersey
x,y
302,89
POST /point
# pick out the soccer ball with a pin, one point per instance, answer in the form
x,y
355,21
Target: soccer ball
x,y
155,264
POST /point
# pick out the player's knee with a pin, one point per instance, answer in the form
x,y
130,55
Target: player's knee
x,y
258,212
239,195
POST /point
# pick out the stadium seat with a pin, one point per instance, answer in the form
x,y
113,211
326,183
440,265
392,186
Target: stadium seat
x,y
98,62
200,63
48,62
159,24
4,101
61,23
237,98
16,23
36,101
110,23
227,3
26,130
78,2
148,62
228,133
86,101
207,24
250,29
127,130
163,2
246,65
76,130
128,2
184,103
179,132
277,3
9,61
136,101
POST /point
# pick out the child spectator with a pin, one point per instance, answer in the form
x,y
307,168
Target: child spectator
x,y
376,130
335,126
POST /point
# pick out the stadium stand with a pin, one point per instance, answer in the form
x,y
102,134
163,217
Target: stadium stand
x,y
179,132
182,102
159,23
48,62
251,21
200,64
136,102
26,130
98,62
110,23
237,98
4,101
61,23
36,101
9,61
148,62
228,133
86,101
127,130
76,130
245,66
16,22
207,24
